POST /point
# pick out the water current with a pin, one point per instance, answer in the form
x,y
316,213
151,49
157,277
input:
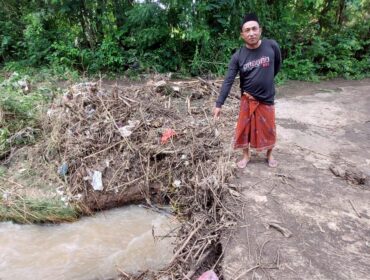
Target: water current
x,y
94,247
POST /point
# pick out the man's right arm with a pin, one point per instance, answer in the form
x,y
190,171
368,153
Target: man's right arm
x,y
229,79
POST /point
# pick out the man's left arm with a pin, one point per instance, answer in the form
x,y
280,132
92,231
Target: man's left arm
x,y
277,64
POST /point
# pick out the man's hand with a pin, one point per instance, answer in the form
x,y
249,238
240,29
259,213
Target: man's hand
x,y
216,112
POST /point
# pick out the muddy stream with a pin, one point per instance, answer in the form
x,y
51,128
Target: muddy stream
x,y
91,248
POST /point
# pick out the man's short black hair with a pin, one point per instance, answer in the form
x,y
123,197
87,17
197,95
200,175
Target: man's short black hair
x,y
249,17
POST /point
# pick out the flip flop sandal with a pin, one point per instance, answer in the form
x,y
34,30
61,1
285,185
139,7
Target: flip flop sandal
x,y
272,163
242,164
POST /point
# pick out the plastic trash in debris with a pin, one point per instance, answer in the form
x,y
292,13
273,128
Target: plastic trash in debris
x,y
176,89
176,183
133,123
97,182
169,133
126,130
208,275
63,169
24,85
184,158
160,84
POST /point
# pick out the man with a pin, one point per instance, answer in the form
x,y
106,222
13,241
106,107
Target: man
x,y
257,63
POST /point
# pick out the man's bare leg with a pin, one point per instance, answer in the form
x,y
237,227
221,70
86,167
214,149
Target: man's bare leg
x,y
270,159
246,157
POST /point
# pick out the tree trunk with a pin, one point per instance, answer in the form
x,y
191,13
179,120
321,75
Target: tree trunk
x,y
99,17
340,12
86,25
323,14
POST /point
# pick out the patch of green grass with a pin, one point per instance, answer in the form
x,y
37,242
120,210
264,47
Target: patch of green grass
x,y
27,211
41,74
24,95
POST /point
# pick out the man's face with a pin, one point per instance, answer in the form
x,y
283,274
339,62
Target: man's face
x,y
251,33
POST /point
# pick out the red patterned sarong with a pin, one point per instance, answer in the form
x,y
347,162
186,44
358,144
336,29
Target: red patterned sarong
x,y
256,125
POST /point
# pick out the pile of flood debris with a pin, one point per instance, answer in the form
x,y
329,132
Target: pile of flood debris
x,y
155,142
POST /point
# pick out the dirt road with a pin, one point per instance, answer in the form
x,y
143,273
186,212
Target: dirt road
x,y
300,220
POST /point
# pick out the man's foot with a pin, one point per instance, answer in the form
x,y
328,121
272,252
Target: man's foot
x,y
243,163
272,163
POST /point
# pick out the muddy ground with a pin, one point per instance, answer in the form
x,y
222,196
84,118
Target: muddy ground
x,y
301,221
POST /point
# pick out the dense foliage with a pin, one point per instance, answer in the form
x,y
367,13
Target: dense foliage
x,y
326,38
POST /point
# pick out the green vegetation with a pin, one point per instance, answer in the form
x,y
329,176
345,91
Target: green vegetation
x,y
319,38
22,101
24,96
27,211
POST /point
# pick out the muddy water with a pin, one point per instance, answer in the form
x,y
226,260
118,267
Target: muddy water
x,y
92,248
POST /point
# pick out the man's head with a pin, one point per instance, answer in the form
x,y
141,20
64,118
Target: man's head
x,y
250,30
